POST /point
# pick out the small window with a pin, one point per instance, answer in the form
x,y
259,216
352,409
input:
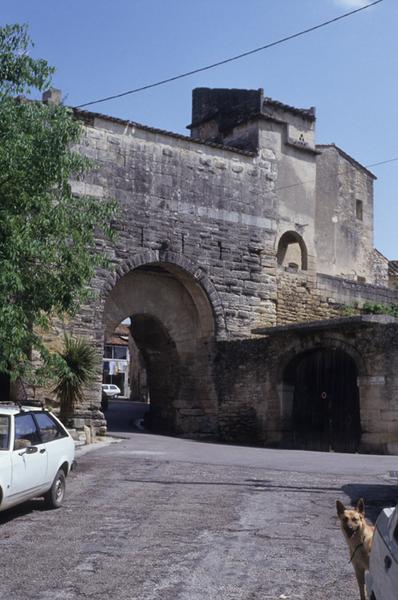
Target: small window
x,y
359,210
26,433
49,429
4,432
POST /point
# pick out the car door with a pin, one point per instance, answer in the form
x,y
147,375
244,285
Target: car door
x,y
29,458
391,558
56,440
382,579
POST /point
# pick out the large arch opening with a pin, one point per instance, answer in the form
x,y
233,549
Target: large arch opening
x,y
321,401
162,369
172,329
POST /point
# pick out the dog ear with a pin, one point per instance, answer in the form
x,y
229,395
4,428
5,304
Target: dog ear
x,y
361,506
340,507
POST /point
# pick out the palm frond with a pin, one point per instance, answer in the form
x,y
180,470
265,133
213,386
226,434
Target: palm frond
x,y
76,370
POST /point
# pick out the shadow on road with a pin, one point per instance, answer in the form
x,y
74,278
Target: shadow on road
x,y
22,510
125,416
376,497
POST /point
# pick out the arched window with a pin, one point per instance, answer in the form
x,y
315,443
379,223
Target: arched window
x,y
292,252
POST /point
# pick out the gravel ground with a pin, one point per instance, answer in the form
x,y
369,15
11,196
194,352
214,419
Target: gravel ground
x,y
153,518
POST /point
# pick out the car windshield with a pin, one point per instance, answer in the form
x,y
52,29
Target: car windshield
x,y
4,432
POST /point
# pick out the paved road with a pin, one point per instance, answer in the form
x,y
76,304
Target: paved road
x,y
156,518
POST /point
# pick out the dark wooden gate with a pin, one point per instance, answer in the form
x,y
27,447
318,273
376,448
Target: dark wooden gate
x,y
326,413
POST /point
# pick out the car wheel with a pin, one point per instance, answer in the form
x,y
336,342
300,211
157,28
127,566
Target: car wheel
x,y
55,495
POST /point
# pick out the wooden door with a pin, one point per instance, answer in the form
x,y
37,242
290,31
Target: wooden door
x,y
326,402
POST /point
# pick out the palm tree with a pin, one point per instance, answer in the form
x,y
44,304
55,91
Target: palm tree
x,y
76,369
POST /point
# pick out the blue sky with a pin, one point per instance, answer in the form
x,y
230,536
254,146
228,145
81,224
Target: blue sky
x,y
348,70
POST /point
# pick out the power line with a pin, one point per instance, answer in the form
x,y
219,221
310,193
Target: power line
x,y
231,59
383,162
377,164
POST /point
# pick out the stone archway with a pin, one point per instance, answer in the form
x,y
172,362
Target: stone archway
x,y
185,270
321,400
174,323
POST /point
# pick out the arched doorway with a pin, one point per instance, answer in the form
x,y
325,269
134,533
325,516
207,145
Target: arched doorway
x,y
325,410
163,369
172,326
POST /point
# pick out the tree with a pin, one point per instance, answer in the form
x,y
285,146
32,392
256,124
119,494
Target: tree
x,y
47,235
76,371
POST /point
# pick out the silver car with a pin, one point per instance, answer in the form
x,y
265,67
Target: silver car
x,y
382,577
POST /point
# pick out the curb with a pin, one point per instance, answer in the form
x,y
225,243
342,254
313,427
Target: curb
x,y
81,450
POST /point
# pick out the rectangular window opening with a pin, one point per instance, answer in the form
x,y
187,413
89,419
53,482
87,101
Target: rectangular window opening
x,y
359,210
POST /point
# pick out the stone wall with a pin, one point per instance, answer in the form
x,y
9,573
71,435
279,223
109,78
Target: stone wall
x,y
344,216
351,293
199,215
212,205
255,407
214,241
380,269
300,298
303,296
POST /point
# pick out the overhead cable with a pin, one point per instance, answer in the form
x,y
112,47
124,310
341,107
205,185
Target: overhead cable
x,y
292,185
383,162
231,59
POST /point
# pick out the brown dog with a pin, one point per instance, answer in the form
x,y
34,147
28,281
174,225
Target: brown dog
x,y
358,535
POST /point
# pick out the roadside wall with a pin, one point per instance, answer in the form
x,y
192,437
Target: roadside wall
x,y
249,375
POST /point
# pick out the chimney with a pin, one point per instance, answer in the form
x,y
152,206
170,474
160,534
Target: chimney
x,y
52,96
223,116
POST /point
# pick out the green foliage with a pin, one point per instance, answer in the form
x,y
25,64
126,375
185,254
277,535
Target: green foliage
x,y
380,309
47,235
350,310
370,308
18,71
76,370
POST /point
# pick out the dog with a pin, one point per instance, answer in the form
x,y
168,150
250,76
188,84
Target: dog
x,y
358,535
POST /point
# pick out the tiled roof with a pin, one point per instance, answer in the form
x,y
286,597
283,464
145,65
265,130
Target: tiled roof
x,y
308,113
88,117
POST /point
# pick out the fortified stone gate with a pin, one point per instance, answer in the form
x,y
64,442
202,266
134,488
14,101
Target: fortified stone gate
x,y
236,249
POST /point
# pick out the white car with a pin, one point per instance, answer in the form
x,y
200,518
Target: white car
x,y
36,455
382,577
110,389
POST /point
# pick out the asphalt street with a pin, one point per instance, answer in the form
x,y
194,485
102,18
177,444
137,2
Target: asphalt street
x,y
149,517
